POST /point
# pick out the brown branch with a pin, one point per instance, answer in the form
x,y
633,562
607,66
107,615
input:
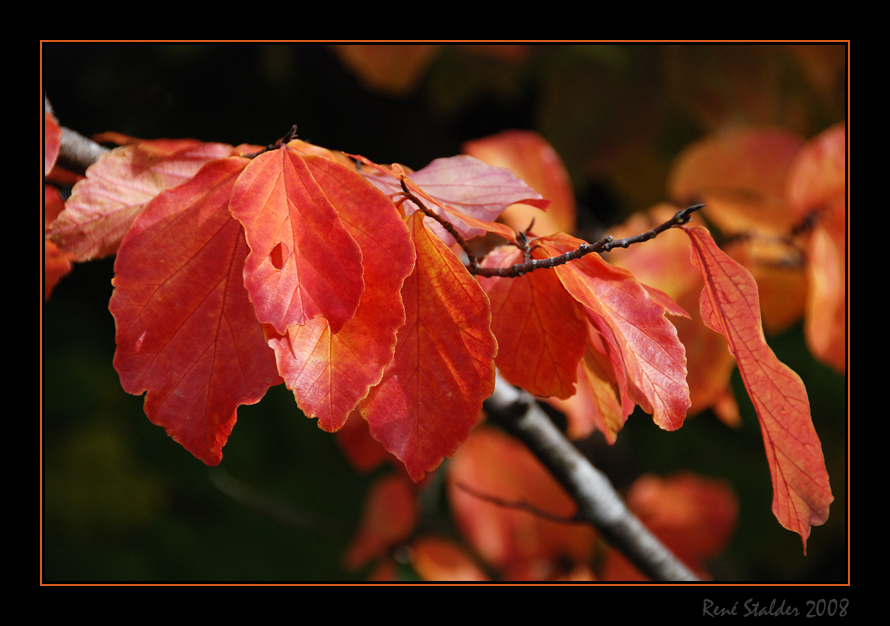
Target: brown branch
x,y
520,505
604,245
288,136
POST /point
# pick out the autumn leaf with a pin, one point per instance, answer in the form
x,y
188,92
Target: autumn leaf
x,y
186,330
530,157
443,559
601,402
817,186
431,394
303,264
730,306
52,134
664,263
56,264
464,191
329,372
391,69
390,515
103,206
540,329
653,357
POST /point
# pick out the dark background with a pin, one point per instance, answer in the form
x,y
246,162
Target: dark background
x,y
122,502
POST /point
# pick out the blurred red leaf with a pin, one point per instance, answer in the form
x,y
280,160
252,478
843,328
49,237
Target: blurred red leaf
x,y
362,451
692,515
303,263
432,393
186,330
818,185
441,559
516,541
329,372
390,69
540,329
389,517
652,355
730,306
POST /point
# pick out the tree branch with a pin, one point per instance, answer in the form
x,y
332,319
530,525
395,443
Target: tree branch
x,y
598,502
604,245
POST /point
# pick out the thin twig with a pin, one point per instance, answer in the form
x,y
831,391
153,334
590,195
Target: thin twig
x,y
288,136
521,505
604,245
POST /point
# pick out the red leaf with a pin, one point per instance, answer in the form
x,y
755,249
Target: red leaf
x,y
186,331
602,402
303,263
693,516
389,516
653,356
117,186
730,305
540,329
330,372
51,141
530,157
432,393
475,189
480,191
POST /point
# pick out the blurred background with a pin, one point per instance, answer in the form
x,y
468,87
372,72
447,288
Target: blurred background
x,y
122,502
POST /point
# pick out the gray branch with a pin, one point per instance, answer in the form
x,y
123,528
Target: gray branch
x,y
598,502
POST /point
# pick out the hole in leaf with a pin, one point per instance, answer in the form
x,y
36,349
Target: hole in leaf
x,y
279,255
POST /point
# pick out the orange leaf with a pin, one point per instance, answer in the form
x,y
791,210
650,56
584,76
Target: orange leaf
x,y
540,329
303,263
654,358
186,331
730,306
330,372
432,393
